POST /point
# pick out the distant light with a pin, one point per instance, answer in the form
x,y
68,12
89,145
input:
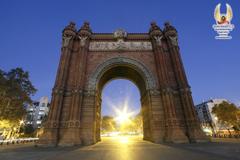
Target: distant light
x,y
39,122
123,116
21,122
207,130
123,139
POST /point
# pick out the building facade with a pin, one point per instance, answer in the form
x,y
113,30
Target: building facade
x,y
37,112
151,60
209,122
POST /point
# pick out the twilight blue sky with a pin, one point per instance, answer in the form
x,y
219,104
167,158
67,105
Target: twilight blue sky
x,y
31,37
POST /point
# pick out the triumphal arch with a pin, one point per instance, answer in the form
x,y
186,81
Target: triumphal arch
x,y
151,60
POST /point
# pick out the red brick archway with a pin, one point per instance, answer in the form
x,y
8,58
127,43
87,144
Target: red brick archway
x,y
151,60
122,67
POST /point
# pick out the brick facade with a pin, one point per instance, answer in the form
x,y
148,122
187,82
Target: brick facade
x,y
151,60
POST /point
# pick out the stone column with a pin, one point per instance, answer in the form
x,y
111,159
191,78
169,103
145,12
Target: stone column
x,y
156,116
145,111
98,117
84,35
72,134
173,133
51,127
194,131
88,117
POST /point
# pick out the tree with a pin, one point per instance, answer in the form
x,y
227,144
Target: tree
x,y
28,129
227,114
15,92
237,126
138,123
108,124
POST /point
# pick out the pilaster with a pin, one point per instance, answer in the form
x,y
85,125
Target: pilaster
x,y
194,131
72,134
173,133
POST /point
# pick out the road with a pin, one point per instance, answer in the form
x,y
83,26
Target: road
x,y
126,148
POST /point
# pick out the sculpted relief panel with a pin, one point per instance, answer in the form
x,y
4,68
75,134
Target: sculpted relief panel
x,y
120,45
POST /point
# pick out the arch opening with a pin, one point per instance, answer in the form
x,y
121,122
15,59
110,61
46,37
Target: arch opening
x,y
123,72
121,109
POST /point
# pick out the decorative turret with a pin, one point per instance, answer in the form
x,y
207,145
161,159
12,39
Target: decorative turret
x,y
84,33
68,33
85,30
171,33
156,34
169,30
70,29
155,30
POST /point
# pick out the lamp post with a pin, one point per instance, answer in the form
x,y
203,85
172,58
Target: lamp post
x,y
21,122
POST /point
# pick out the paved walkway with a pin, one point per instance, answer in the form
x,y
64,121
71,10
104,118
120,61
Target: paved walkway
x,y
126,148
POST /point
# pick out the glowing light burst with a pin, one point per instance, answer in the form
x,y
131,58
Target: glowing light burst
x,y
123,139
123,115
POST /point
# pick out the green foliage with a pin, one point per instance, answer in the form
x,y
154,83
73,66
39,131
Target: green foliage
x,y
227,114
108,124
28,129
137,123
6,124
15,92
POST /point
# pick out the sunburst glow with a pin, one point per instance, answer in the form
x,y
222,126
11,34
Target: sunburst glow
x,y
122,113
123,116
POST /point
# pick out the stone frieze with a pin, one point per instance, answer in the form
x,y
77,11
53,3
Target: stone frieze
x,y
120,45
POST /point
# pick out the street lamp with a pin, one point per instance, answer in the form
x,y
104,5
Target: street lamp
x,y
21,122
